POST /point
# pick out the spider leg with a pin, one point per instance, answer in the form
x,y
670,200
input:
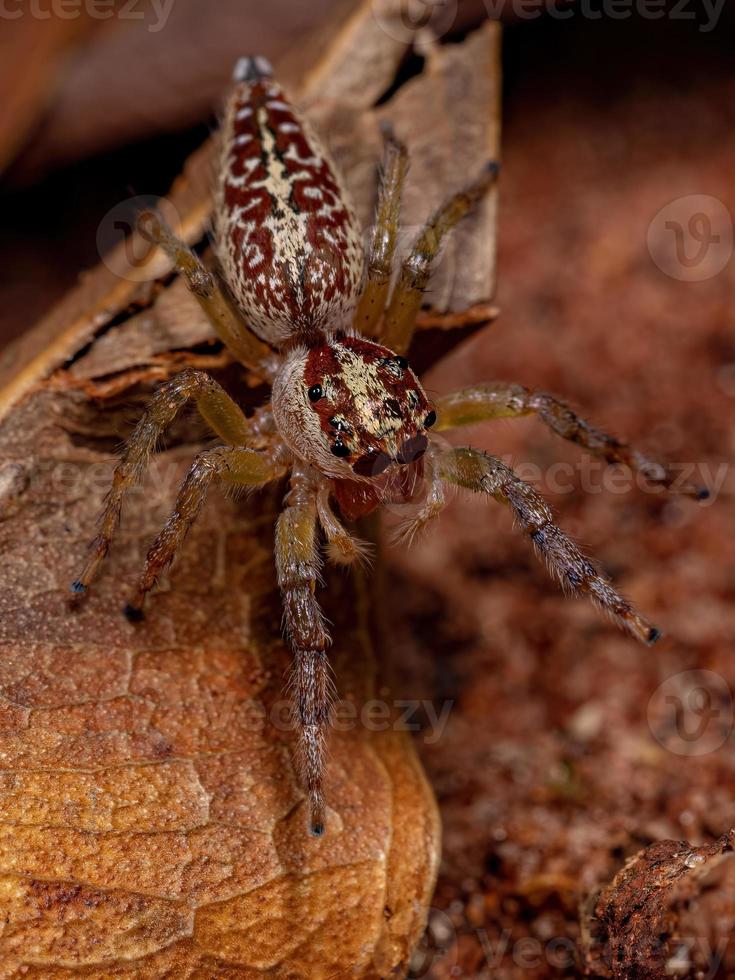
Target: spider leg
x,y
233,465
486,474
343,548
243,343
405,302
384,237
216,407
503,400
297,567
433,504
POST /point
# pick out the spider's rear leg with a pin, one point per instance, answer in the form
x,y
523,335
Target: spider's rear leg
x,y
234,466
243,343
217,409
486,474
297,567
385,235
405,302
502,400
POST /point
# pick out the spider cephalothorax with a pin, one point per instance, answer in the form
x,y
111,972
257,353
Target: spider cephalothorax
x,y
348,420
352,408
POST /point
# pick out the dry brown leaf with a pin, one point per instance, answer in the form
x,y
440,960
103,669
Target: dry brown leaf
x,y
153,823
31,49
632,933
182,67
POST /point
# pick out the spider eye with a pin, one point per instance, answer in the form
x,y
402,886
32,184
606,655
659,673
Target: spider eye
x,y
430,419
401,362
315,393
339,449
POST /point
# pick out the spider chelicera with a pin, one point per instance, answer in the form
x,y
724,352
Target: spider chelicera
x,y
348,421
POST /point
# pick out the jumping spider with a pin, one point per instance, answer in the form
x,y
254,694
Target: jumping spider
x,y
348,420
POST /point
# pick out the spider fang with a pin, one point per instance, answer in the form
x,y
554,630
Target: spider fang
x,y
412,449
371,464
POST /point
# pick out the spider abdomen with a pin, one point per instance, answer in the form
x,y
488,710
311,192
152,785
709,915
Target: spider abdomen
x,y
287,237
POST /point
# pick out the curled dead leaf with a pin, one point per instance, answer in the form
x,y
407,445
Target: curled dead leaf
x,y
632,928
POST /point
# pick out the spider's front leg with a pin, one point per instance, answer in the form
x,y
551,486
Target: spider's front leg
x,y
236,467
502,400
297,567
486,474
218,410
413,279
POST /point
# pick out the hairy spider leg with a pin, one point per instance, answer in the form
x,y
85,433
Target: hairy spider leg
x,y
374,298
297,567
232,465
500,399
228,326
413,279
481,473
216,408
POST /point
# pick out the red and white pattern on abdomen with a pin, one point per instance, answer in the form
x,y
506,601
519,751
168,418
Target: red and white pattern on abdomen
x,y
288,239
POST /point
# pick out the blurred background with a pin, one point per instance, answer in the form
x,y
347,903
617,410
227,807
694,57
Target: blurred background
x,y
616,288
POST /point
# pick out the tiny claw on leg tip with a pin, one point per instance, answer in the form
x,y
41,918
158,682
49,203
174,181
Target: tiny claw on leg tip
x,y
643,631
133,613
316,820
78,587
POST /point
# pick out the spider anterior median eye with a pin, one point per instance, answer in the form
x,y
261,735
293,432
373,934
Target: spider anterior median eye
x,y
430,419
339,449
315,393
401,362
